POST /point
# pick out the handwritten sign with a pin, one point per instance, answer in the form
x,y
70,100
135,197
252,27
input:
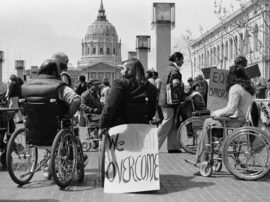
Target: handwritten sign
x,y
131,159
217,97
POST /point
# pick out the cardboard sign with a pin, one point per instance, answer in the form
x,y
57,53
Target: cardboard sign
x,y
131,159
206,72
253,71
217,97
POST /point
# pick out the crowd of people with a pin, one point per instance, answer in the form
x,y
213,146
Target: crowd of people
x,y
141,97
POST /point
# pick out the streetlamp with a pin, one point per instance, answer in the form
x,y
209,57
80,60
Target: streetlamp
x,y
163,20
143,47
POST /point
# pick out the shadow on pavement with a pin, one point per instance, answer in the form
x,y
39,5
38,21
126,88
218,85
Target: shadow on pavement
x,y
38,184
176,183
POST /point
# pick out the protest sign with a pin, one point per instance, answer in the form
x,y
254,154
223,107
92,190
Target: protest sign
x,y
217,97
253,71
131,159
206,72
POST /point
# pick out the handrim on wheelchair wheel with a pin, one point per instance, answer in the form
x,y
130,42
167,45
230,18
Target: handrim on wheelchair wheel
x,y
63,158
21,158
246,153
189,134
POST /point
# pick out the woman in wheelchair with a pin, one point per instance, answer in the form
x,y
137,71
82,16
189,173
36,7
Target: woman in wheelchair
x,y
241,94
131,100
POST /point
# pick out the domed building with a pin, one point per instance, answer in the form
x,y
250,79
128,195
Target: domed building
x,y
101,50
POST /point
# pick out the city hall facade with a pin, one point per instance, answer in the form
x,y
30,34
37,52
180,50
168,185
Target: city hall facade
x,y
245,32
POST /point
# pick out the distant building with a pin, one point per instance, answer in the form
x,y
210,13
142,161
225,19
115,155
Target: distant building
x,y
101,50
245,32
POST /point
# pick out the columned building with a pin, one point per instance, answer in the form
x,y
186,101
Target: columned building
x,y
101,50
245,32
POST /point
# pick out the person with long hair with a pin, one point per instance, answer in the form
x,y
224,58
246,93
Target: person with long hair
x,y
241,93
167,128
132,99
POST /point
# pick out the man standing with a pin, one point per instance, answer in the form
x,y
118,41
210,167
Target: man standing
x,y
62,60
90,101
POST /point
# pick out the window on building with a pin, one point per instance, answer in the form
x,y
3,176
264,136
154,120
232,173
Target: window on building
x,y
108,51
101,51
114,52
93,50
255,38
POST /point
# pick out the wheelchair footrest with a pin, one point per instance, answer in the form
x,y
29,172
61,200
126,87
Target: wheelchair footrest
x,y
191,162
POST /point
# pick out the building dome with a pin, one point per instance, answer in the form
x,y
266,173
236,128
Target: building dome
x,y
101,28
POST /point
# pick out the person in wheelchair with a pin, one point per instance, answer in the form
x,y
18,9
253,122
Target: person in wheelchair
x,y
131,100
90,102
38,94
194,102
241,93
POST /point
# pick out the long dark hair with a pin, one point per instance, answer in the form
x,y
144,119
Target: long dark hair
x,y
237,75
135,73
175,55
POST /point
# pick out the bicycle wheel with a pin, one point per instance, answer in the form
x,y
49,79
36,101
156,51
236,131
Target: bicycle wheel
x,y
189,132
246,153
21,158
63,158
80,160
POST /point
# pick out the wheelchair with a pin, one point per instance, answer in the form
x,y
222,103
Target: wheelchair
x,y
243,150
92,140
190,130
7,127
45,129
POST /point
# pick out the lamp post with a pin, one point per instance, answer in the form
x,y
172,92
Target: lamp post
x,y
143,47
163,21
1,67
19,66
132,54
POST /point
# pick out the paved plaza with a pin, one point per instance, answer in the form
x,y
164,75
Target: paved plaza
x,y
177,181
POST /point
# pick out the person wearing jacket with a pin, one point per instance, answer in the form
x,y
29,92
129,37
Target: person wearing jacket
x,y
13,95
131,100
167,128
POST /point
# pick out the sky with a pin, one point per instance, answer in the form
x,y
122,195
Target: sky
x,y
32,30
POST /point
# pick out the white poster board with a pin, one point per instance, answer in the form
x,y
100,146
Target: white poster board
x,y
217,97
131,159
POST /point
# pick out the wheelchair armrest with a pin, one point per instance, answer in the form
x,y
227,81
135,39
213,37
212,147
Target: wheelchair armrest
x,y
201,113
230,119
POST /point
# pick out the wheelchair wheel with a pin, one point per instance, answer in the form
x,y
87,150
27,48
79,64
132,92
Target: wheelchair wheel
x,y
217,165
101,160
206,169
246,153
189,132
94,144
21,158
86,146
63,158
80,161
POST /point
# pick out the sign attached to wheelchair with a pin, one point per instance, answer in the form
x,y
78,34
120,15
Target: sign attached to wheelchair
x,y
131,159
217,97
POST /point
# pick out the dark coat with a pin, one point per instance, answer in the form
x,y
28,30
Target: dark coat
x,y
175,74
81,88
14,89
127,103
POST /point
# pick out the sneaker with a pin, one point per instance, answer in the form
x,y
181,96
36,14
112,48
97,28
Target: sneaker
x,y
85,160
